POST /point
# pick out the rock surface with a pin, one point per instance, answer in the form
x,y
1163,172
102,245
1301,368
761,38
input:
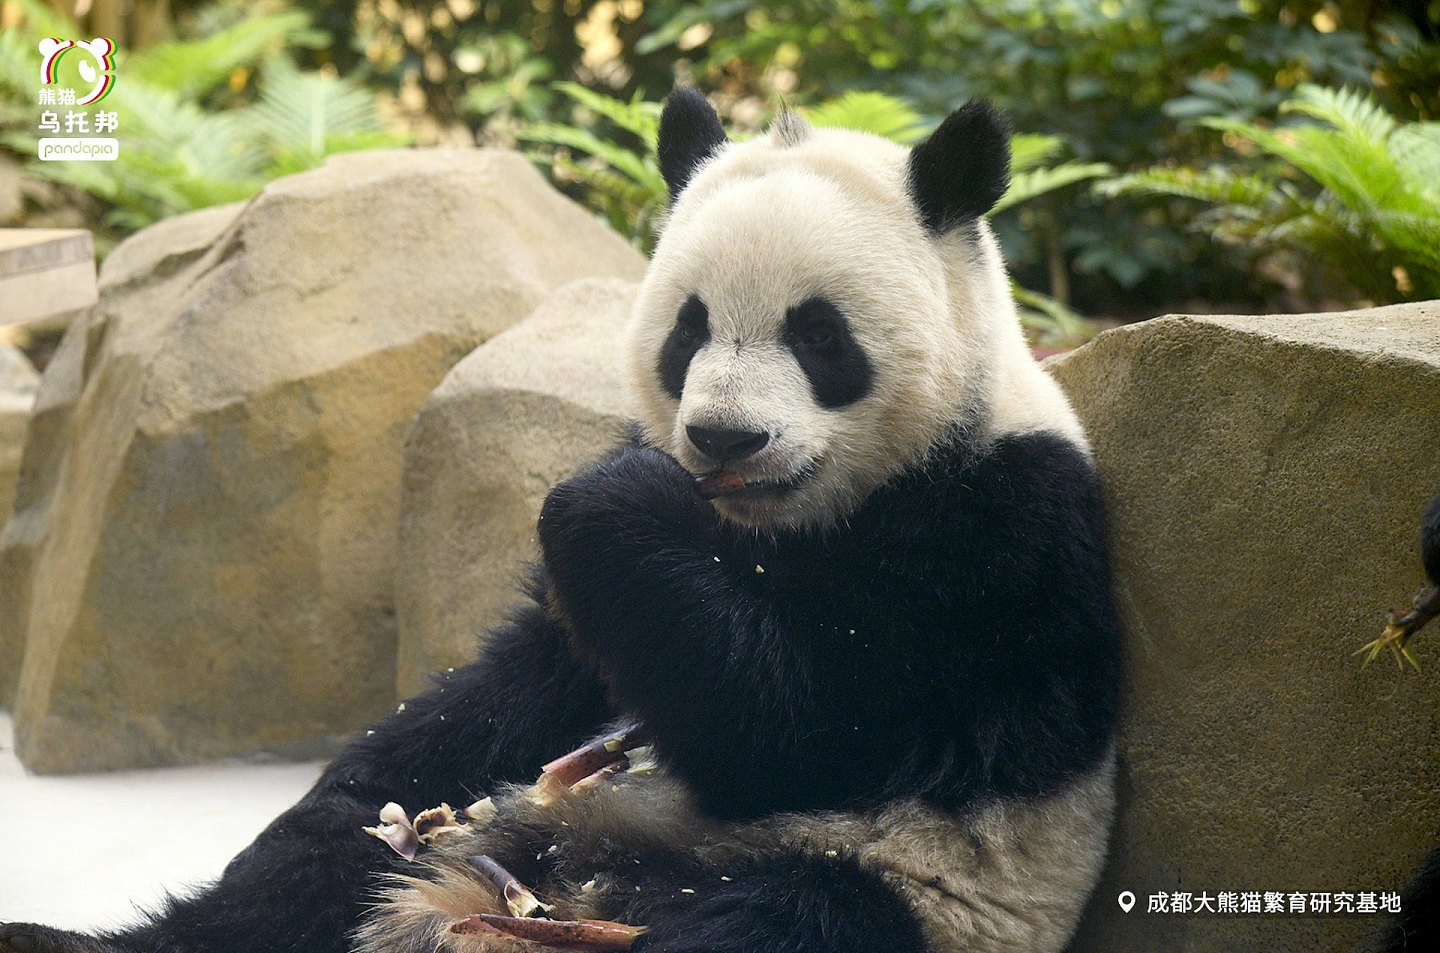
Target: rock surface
x,y
1264,480
517,415
202,561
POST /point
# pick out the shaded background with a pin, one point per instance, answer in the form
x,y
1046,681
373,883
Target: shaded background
x,y
215,98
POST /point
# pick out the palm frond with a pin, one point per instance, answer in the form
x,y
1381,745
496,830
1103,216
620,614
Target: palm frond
x,y
1353,190
1025,186
866,111
1029,150
1220,185
191,67
637,116
1350,111
1416,151
300,115
1051,322
640,169
165,125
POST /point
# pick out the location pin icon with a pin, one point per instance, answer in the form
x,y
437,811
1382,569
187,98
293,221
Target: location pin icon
x,y
1127,900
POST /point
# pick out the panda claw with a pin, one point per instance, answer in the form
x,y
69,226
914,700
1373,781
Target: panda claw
x,y
582,935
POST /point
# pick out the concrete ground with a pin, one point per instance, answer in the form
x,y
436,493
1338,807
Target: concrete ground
x,y
85,851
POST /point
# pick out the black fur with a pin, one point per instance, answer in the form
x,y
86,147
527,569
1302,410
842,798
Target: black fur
x,y
786,903
1417,928
960,172
955,636
818,334
1430,540
305,881
690,133
727,446
954,639
691,331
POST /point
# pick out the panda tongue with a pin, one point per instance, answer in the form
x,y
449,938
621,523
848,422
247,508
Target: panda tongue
x,y
718,484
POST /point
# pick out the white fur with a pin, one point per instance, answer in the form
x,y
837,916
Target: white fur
x,y
1008,877
765,225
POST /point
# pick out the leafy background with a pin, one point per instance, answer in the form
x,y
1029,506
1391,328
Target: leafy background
x,y
1177,154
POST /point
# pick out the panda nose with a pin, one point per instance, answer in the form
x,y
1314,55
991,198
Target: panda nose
x,y
727,445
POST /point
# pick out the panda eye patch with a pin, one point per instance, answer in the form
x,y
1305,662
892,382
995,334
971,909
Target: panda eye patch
x,y
818,335
691,331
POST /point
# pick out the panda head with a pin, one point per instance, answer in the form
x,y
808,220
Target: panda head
x,y
822,307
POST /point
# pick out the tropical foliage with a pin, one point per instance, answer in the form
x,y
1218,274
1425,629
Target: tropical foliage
x,y
1354,193
219,95
185,142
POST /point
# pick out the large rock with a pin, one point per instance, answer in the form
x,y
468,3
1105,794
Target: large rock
x,y
1264,480
510,420
202,560
161,250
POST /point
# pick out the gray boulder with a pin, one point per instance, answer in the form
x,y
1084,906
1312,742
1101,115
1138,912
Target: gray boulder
x,y
1264,479
517,415
202,563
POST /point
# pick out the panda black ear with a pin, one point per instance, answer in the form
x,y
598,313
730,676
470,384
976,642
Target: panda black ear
x,y
690,132
960,172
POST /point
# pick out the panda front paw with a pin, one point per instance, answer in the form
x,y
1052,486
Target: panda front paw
x,y
33,938
637,496
616,536
631,477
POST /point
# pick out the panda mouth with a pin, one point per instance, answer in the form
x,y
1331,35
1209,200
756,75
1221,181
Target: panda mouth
x,y
773,488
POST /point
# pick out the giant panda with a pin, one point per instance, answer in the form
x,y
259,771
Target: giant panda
x,y
879,680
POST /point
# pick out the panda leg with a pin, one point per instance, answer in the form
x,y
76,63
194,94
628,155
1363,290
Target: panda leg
x,y
783,903
32,938
305,883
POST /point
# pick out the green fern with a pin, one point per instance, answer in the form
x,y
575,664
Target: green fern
x,y
871,112
620,181
1029,183
1350,188
303,117
192,67
176,154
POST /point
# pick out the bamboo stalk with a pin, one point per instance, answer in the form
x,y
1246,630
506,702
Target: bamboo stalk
x,y
518,897
594,755
718,484
584,935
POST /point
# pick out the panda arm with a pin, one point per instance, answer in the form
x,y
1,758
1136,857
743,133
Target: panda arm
x,y
760,694
651,592
307,879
